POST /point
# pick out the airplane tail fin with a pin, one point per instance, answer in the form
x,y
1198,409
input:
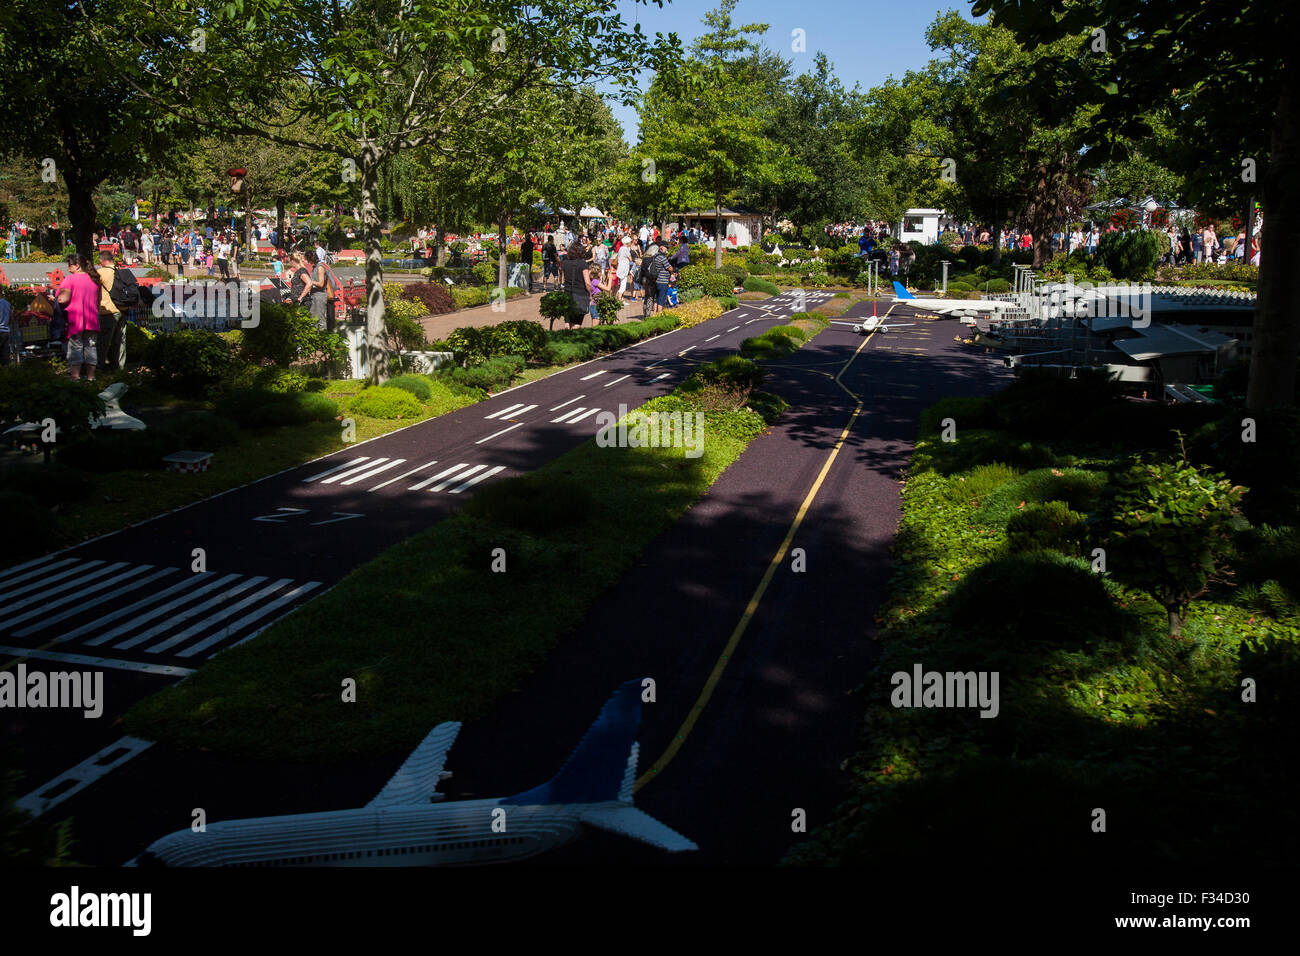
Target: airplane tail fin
x,y
901,291
598,769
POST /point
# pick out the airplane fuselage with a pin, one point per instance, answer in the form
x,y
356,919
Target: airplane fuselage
x,y
464,832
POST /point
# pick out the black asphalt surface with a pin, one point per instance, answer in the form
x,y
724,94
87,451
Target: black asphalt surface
x,y
783,715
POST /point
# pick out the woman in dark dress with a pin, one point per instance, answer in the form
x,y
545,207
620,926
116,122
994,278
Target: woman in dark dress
x,y
577,280
299,280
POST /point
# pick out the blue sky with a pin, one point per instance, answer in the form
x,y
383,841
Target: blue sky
x,y
866,40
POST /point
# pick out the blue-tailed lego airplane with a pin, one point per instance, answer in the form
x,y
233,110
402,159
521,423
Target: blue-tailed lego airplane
x,y
403,827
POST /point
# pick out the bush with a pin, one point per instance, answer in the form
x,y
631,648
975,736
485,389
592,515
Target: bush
x,y
466,297
402,322
735,272
385,402
277,379
254,408
484,273
286,334
51,484
693,313
998,285
433,296
536,504
1041,597
199,429
137,341
1078,488
1051,526
494,373
555,305
1169,524
1130,254
728,302
189,363
753,284
417,385
732,372
29,527
608,306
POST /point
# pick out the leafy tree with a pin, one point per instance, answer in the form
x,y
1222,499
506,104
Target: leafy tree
x,y
1169,525
61,103
705,131
1228,76
365,81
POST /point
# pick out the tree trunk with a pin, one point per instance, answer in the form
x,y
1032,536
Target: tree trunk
x,y
718,230
1277,312
503,263
1175,623
81,214
438,237
280,222
376,331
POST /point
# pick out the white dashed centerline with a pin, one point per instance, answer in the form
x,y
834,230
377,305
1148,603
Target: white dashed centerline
x,y
616,381
718,336
569,402
658,377
593,375
685,350
732,329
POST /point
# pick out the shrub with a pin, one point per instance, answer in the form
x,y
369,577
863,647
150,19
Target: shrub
x,y
466,297
1041,597
385,402
998,285
1051,526
50,484
286,334
417,385
277,379
555,305
701,310
137,340
728,302
401,321
29,527
1076,487
732,372
470,345
608,306
433,296
532,503
189,363
735,272
565,353
689,295
198,428
974,487
1169,525
753,284
484,273
254,408
493,373
1129,254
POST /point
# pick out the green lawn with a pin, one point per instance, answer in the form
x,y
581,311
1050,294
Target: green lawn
x,y
428,630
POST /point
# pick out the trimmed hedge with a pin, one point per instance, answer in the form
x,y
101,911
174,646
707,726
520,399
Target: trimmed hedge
x,y
754,284
417,385
384,402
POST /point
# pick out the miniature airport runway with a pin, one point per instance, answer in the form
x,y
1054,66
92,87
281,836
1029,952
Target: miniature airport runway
x,y
780,715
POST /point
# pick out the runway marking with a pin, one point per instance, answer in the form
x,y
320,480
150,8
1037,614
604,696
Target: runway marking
x,y
406,474
476,479
25,653
586,414
442,474
498,434
684,351
593,375
77,596
615,382
354,461
648,367
46,582
83,605
188,613
83,774
353,471
44,569
239,625
778,559
658,377
220,615
509,409
569,414
370,473
751,320
569,402
732,329
45,594
464,474
718,336
158,611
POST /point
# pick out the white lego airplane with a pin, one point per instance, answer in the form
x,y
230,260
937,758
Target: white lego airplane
x,y
954,307
873,324
400,827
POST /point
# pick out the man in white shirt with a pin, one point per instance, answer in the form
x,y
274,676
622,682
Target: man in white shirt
x,y
624,264
643,234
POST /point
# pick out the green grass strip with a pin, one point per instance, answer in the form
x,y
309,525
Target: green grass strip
x,y
428,630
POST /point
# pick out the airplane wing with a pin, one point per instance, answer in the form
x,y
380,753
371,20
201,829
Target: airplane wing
x,y
637,824
417,779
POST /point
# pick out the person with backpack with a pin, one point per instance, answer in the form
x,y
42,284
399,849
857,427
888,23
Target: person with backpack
x,y
550,263
120,295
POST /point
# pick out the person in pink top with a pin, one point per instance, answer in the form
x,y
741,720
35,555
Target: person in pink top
x,y
79,293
